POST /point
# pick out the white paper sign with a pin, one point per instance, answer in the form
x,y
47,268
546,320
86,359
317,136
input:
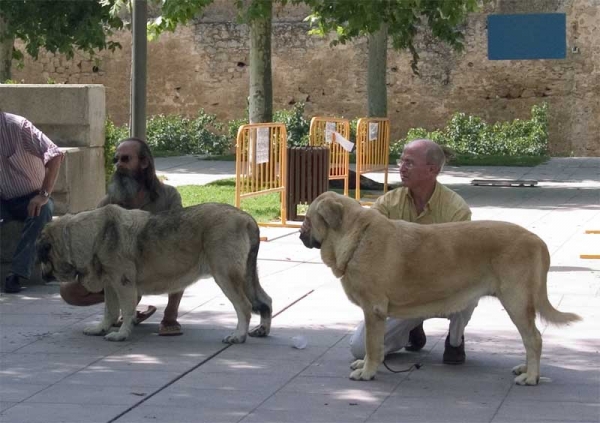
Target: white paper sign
x,y
346,145
262,145
373,130
329,129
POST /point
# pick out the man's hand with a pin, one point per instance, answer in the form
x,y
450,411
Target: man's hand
x,y
35,205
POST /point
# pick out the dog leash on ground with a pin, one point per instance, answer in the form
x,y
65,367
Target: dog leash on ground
x,y
417,366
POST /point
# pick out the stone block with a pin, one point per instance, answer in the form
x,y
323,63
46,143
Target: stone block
x,y
81,182
71,115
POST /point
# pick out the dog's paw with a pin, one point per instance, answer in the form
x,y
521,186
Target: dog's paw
x,y
520,369
259,332
115,336
358,364
361,374
95,330
234,339
524,379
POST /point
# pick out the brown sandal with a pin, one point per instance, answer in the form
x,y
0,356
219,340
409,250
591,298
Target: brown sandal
x,y
169,330
140,316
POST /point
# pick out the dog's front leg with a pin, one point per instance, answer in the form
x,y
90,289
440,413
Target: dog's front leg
x,y
375,329
126,300
111,314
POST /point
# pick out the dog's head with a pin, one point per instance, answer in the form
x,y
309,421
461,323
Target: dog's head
x,y
54,259
324,214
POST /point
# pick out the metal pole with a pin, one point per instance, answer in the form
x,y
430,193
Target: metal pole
x,y
137,126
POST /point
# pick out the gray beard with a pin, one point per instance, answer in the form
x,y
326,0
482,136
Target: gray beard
x,y
123,189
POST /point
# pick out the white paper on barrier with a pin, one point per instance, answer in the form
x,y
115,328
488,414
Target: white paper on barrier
x,y
329,129
346,145
262,145
373,130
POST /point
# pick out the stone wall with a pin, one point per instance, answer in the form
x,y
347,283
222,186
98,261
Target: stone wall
x,y
205,65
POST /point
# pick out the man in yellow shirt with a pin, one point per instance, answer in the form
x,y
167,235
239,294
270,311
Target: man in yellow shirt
x,y
421,199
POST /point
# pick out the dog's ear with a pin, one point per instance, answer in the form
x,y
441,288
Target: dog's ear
x,y
332,212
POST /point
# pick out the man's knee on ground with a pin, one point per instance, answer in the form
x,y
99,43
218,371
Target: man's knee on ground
x,y
357,343
74,293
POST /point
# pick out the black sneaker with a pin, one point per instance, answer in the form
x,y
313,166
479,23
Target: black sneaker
x,y
12,285
454,355
416,339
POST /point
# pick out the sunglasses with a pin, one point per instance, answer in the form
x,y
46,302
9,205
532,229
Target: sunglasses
x,y
123,159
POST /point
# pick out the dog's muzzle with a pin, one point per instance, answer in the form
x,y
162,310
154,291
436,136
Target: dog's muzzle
x,y
305,235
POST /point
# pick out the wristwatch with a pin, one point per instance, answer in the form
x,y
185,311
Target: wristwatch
x,y
44,193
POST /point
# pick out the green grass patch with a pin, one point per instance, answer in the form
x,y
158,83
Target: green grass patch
x,y
222,157
264,208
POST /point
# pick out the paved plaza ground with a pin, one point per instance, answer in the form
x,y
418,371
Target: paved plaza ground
x,y
50,372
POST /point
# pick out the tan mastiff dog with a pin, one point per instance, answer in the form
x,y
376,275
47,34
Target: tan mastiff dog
x,y
128,253
407,270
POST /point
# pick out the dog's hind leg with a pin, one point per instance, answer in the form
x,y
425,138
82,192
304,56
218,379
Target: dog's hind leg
x,y
521,310
231,283
261,302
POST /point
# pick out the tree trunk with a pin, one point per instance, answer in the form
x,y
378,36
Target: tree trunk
x,y
137,114
6,50
377,69
261,82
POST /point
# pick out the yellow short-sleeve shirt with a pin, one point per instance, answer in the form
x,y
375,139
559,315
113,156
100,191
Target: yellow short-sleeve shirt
x,y
444,206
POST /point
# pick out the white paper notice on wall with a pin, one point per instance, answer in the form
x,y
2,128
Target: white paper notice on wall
x,y
346,145
329,129
262,145
373,131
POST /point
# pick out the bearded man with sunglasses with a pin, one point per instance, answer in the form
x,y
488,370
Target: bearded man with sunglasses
x,y
134,185
421,199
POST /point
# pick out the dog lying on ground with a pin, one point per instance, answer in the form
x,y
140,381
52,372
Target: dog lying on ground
x,y
407,270
128,253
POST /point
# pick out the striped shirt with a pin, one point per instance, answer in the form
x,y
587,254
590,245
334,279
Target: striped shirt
x,y
444,206
24,153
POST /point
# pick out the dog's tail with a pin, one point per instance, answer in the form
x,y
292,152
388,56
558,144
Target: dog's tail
x,y
545,309
261,302
552,315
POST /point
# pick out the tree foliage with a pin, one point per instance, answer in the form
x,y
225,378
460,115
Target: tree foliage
x,y
59,26
174,13
350,19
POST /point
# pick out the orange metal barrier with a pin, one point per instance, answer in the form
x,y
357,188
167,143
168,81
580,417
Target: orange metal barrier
x,y
321,129
261,163
594,256
372,149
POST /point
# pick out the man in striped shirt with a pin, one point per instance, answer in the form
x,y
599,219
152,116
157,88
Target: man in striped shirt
x,y
29,165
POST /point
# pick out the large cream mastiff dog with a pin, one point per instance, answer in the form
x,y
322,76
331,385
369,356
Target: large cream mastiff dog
x,y
128,253
401,269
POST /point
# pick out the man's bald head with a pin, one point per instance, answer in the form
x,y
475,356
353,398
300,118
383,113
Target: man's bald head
x,y
429,150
